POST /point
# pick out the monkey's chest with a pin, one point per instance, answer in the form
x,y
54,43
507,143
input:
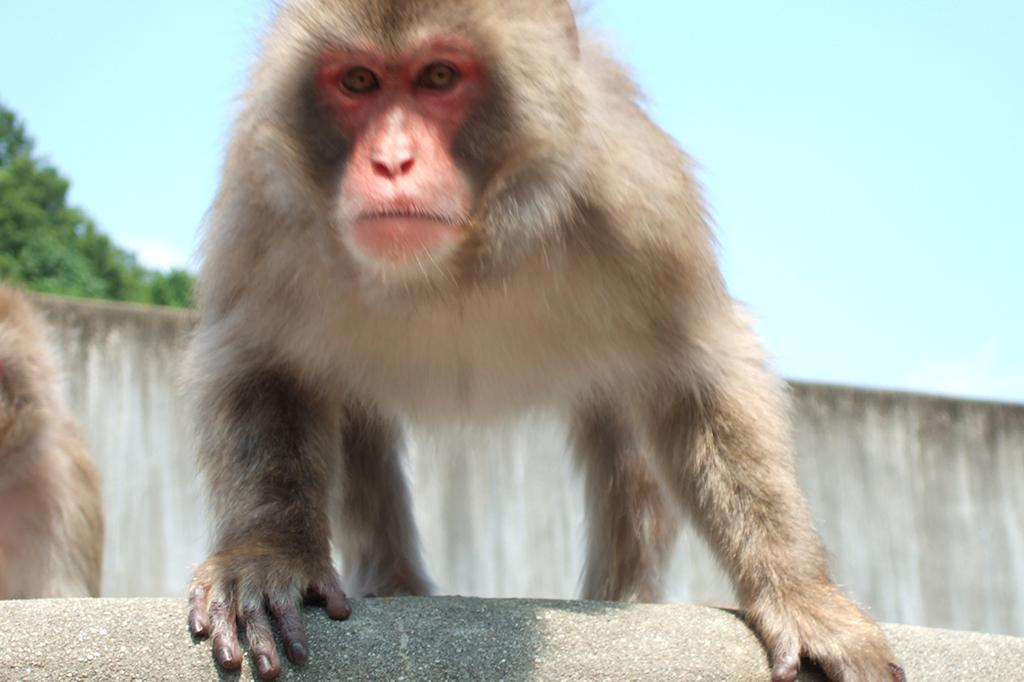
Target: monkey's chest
x,y
489,358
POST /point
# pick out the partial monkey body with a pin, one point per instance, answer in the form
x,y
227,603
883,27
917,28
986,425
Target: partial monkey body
x,y
452,212
51,523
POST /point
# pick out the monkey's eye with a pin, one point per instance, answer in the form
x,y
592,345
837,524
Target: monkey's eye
x,y
438,77
360,80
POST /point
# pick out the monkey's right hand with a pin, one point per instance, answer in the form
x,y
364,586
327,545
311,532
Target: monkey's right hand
x,y
248,587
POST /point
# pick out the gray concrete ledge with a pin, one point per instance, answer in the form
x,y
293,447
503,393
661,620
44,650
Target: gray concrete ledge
x,y
455,639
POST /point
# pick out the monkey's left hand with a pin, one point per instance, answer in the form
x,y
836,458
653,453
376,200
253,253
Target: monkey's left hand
x,y
248,587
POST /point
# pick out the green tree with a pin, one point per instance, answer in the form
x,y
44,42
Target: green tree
x,y
51,247
14,140
173,288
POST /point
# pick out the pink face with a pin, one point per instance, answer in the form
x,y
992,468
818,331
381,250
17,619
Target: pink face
x,y
402,193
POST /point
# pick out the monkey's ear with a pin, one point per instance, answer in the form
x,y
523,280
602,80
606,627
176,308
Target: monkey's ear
x,y
567,17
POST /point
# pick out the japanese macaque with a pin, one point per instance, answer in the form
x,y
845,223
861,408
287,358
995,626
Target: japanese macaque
x,y
455,211
51,523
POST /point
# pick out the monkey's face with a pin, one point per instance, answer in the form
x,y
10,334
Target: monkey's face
x,y
9,404
443,148
21,365
404,204
4,402
8,352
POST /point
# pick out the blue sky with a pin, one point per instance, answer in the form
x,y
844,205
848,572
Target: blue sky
x,y
864,161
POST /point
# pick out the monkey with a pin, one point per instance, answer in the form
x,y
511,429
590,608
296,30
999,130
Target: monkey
x,y
51,519
454,212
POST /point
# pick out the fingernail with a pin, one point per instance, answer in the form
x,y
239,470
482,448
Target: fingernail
x,y
224,655
263,664
297,653
339,610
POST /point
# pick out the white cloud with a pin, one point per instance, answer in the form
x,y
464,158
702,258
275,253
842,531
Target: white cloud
x,y
988,373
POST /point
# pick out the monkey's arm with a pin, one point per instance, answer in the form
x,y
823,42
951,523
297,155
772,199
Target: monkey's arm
x,y
264,442
725,444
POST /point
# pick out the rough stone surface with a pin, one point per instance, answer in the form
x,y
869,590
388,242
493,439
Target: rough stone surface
x,y
455,639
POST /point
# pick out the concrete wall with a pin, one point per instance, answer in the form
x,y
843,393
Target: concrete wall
x,y
120,366
920,499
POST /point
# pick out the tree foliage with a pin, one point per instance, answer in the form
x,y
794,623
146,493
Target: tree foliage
x,y
48,246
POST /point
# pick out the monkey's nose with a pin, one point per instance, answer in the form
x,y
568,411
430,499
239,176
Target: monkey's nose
x,y
392,165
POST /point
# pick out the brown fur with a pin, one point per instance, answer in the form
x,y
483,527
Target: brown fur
x,y
632,527
51,524
588,281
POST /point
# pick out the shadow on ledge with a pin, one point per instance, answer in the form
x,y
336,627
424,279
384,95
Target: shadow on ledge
x,y
455,638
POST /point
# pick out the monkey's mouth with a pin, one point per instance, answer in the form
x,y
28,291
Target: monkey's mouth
x,y
394,234
406,214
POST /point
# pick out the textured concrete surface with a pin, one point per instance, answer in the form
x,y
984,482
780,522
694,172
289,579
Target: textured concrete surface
x,y
455,638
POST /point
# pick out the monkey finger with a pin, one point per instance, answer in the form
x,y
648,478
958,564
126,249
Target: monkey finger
x,y
329,595
897,673
336,600
224,631
198,619
293,632
262,645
